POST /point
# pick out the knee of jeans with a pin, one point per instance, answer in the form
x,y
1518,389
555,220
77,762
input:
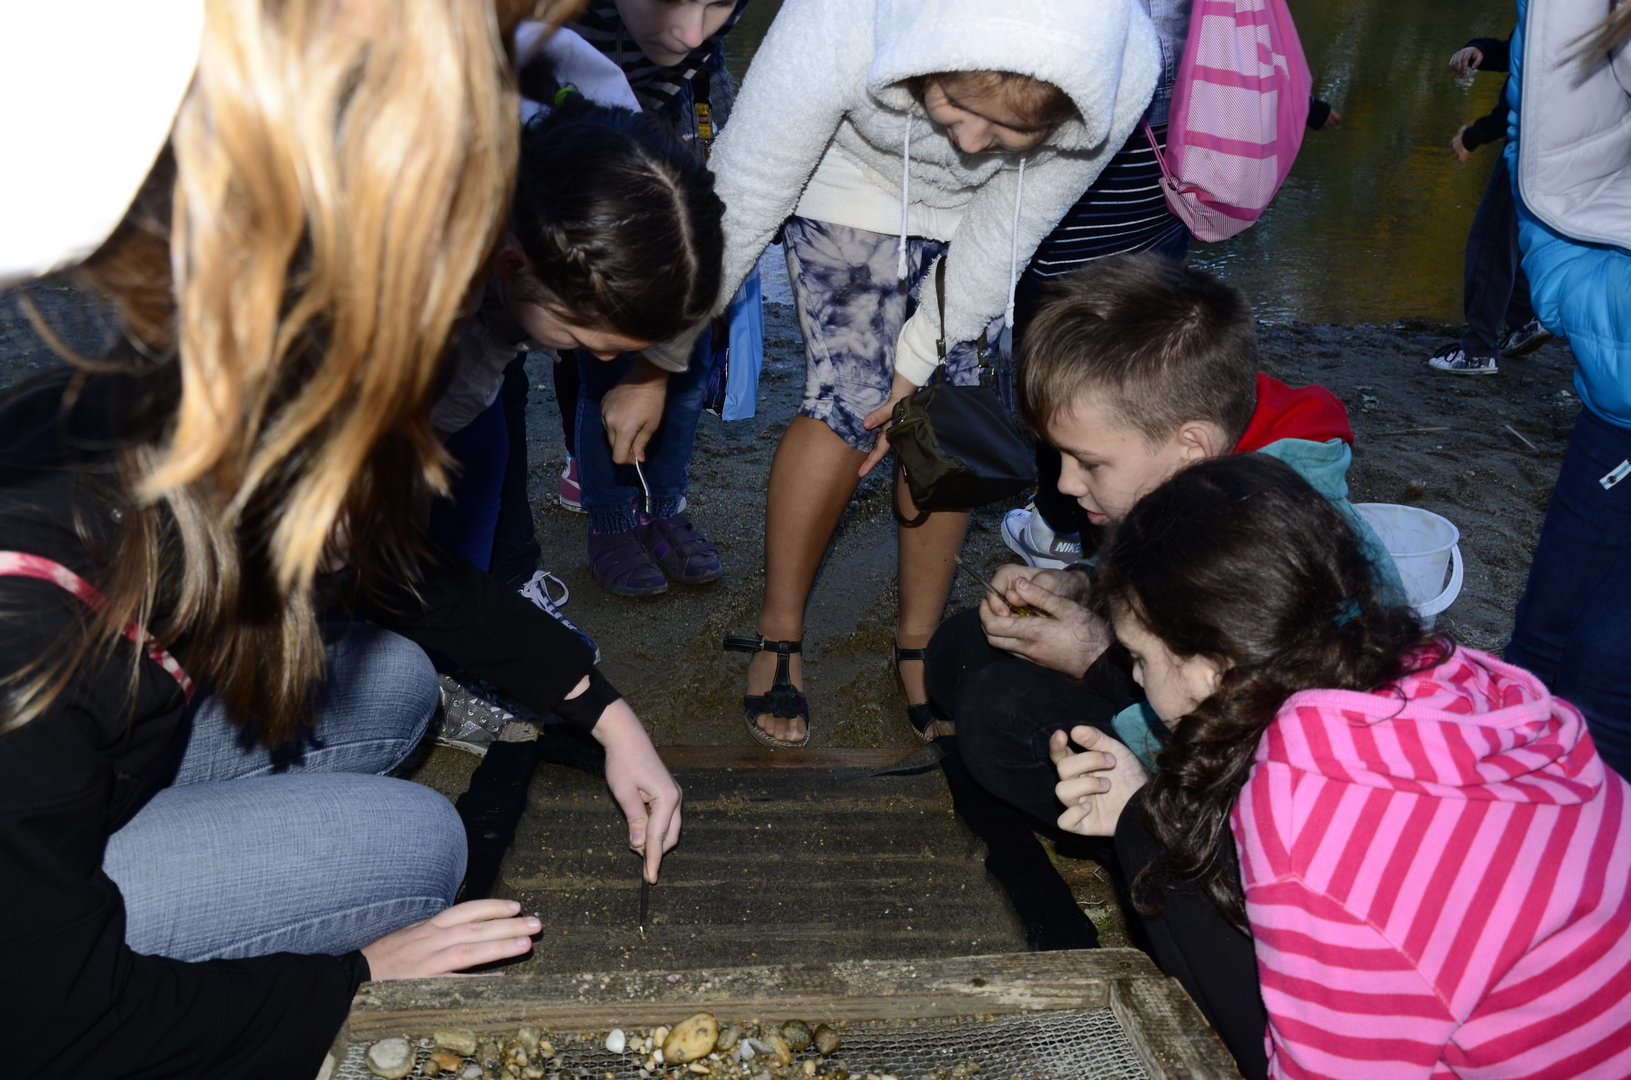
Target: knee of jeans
x,y
397,676
433,835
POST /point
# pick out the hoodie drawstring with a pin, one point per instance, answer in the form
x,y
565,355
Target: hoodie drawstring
x,y
1013,249
905,198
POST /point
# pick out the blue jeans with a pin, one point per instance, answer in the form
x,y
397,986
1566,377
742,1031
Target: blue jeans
x,y
466,521
1493,288
611,491
304,850
1573,624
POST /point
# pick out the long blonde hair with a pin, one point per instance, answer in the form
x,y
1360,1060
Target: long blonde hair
x,y
337,176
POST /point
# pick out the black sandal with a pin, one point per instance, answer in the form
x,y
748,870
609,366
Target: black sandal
x,y
783,700
925,714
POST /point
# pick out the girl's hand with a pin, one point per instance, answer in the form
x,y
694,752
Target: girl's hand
x,y
462,936
900,387
1096,784
641,784
1466,60
633,410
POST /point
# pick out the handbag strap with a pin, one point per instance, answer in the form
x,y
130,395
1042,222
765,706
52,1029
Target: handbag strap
x,y
940,300
22,564
894,501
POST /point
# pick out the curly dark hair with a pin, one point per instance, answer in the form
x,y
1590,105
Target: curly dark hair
x,y
619,220
1239,560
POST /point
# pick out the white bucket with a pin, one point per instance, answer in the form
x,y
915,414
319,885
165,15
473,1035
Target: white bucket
x,y
1423,546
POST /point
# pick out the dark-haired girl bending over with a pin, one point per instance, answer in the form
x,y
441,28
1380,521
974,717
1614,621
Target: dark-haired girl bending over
x,y
1428,856
614,243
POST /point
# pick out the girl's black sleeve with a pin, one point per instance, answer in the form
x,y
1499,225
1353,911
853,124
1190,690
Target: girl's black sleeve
x,y
77,1000
1491,127
491,631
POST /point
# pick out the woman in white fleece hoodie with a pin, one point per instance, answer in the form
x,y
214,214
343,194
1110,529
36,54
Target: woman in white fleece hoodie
x,y
854,128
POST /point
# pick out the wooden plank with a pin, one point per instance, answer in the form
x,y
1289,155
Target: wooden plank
x,y
853,990
766,757
1172,1038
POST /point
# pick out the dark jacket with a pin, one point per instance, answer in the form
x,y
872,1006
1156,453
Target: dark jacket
x,y
1490,127
90,1007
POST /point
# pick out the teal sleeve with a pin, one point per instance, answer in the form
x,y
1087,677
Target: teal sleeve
x,y
1139,729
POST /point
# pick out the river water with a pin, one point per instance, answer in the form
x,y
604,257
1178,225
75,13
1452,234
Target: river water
x,y
1371,223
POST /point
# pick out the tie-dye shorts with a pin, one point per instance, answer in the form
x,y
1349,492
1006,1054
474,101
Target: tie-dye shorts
x,y
851,308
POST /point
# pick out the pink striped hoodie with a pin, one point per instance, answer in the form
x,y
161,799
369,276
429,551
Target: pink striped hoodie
x,y
1438,885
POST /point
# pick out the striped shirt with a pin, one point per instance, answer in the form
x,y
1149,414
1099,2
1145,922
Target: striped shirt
x,y
1123,211
1436,877
655,86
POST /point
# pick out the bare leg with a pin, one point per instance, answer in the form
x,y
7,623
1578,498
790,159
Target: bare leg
x,y
928,554
811,482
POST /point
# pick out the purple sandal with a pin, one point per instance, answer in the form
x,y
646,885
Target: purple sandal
x,y
679,547
620,562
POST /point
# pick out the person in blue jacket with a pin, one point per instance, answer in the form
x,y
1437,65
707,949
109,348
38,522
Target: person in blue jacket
x,y
1568,89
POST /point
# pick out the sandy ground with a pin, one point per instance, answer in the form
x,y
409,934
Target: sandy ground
x,y
1481,451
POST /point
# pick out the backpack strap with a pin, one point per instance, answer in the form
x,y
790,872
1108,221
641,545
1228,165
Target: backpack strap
x,y
22,564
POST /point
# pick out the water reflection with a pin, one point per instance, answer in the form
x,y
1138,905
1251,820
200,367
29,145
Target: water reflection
x,y
1371,224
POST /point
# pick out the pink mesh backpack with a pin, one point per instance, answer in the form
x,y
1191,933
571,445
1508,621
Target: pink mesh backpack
x,y
1237,115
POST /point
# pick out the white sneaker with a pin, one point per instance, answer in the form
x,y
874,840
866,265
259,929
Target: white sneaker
x,y
537,590
1029,537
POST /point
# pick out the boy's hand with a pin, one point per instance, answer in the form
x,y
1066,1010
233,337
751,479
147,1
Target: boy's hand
x,y
1067,642
1466,60
1071,584
1096,784
1459,148
900,387
633,410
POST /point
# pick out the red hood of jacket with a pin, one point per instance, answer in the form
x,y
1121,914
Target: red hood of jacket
x,y
1308,412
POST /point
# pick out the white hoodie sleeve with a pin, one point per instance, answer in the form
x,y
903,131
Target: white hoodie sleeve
x,y
805,76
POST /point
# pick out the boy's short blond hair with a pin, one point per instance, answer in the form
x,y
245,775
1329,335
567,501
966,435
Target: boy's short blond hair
x,y
1158,343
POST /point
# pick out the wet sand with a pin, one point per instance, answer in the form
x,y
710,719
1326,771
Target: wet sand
x,y
1481,451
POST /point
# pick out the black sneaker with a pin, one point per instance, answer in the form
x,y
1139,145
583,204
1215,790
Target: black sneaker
x,y
1453,359
1524,339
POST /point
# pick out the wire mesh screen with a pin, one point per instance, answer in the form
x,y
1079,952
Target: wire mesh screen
x,y
1081,1044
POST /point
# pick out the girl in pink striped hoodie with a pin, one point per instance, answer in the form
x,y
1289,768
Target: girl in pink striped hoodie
x,y
1430,858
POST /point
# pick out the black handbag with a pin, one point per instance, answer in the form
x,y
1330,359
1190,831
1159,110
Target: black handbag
x,y
958,446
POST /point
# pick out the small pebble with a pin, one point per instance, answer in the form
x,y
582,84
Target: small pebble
x,y
698,1068
797,1034
532,1072
744,1052
529,1036
390,1058
461,1041
827,1042
809,1066
691,1038
784,1053
444,1061
673,978
616,1041
659,1035
729,1038
471,1072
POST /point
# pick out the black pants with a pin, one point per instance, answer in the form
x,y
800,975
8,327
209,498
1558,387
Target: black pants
x,y
1196,945
1493,289
515,537
1006,708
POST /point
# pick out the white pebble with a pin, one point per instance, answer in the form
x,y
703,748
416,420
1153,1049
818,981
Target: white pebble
x,y
616,1041
390,1058
657,1056
744,1052
471,1072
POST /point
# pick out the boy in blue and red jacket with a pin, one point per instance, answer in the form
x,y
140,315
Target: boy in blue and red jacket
x,y
1137,367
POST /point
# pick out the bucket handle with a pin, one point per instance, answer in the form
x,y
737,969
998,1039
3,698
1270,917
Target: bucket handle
x,y
1451,591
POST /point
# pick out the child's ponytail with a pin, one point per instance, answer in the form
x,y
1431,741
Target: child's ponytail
x,y
619,221
1239,560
